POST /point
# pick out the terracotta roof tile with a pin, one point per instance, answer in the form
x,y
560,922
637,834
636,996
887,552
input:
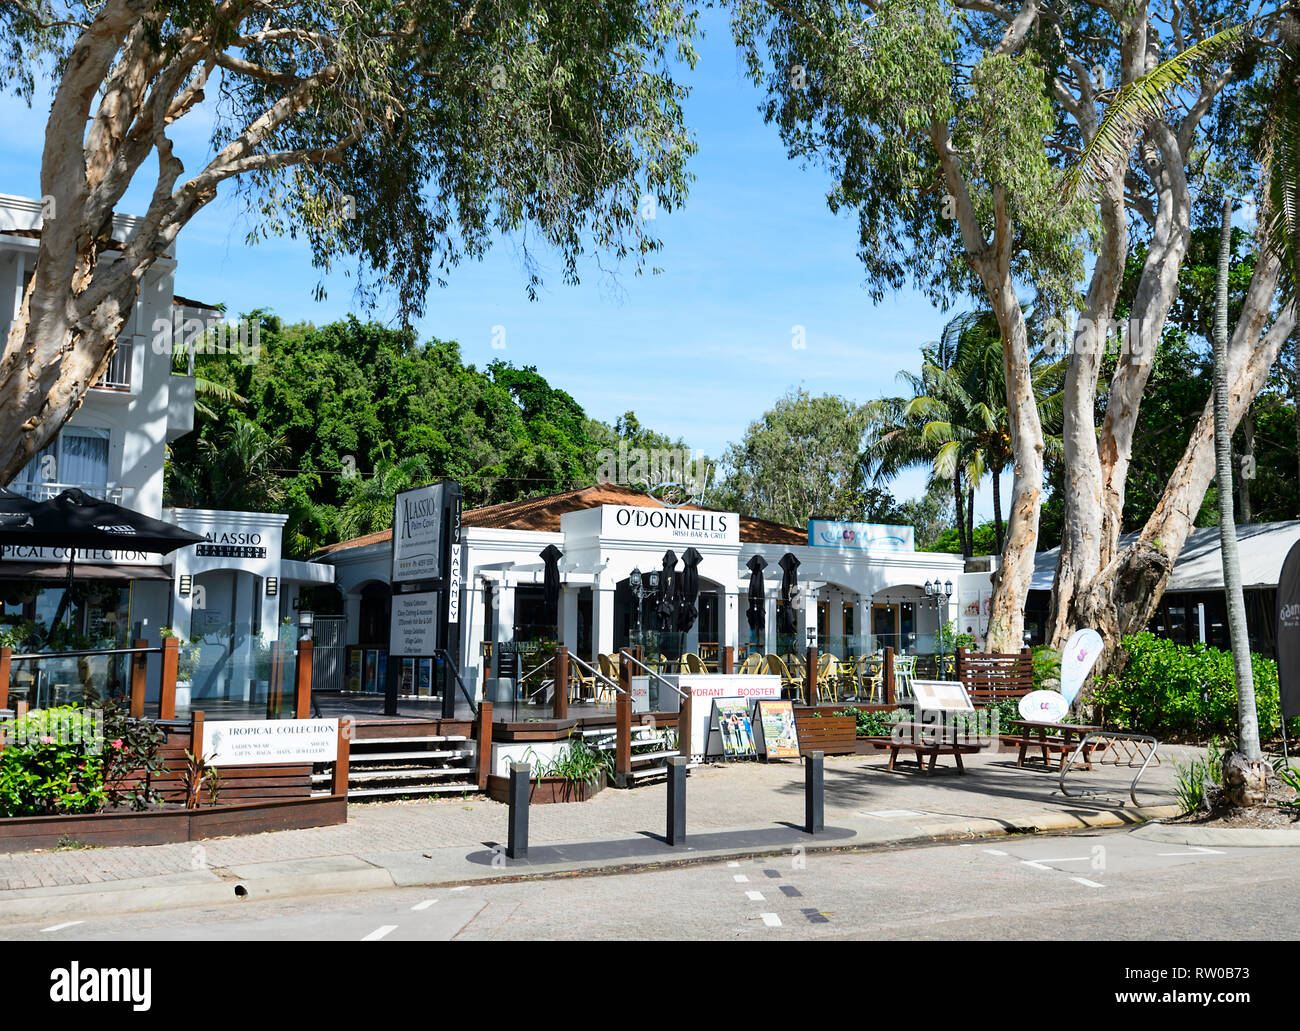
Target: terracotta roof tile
x,y
542,514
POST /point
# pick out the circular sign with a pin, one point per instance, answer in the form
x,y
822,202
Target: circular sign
x,y
1044,707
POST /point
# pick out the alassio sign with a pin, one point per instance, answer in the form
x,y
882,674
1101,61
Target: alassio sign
x,y
417,534
633,522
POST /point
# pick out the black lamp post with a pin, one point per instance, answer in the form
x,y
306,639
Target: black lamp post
x,y
643,587
939,593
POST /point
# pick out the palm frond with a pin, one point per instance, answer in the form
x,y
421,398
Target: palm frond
x,y
1141,99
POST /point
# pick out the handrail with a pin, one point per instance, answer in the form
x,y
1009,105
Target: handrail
x,y
629,655
540,665
455,669
84,653
597,673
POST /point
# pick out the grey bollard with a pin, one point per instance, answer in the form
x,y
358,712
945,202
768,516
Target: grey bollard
x,y
814,794
517,841
676,800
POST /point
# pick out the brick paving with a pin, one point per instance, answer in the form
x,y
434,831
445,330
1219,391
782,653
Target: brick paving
x,y
719,798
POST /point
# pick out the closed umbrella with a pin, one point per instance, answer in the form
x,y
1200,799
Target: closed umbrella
x,y
667,584
789,585
757,611
551,555
688,589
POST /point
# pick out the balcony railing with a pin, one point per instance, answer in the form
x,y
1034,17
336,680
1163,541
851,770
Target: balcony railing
x,y
41,490
118,374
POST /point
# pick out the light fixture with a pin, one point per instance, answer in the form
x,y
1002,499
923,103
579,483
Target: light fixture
x,y
305,620
812,636
947,588
186,581
272,586
929,589
635,579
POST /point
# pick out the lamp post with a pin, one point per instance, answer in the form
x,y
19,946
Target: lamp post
x,y
643,587
939,593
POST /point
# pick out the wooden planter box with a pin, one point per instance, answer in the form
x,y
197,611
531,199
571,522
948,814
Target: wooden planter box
x,y
168,826
547,790
833,735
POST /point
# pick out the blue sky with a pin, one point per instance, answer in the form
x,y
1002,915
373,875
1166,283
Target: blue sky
x,y
697,352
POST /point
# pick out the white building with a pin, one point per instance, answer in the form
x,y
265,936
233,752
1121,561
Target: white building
x,y
231,591
860,587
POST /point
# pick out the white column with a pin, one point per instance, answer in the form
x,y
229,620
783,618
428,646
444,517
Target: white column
x,y
835,622
569,617
769,644
503,597
731,621
602,615
862,622
809,618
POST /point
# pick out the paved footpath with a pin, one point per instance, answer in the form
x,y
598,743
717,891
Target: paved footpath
x,y
733,810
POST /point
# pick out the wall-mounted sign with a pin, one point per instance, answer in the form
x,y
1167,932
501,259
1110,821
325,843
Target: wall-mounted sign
x,y
228,551
253,742
413,630
417,534
636,522
827,533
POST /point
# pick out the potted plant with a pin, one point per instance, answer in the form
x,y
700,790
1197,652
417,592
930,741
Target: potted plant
x,y
187,664
575,774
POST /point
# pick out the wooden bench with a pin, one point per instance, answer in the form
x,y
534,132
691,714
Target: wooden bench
x,y
993,676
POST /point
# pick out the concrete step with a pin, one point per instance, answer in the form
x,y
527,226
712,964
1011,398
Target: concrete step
x,y
436,738
373,757
403,774
416,789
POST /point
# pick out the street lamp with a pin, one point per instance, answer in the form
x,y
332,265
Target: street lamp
x,y
939,593
643,587
306,619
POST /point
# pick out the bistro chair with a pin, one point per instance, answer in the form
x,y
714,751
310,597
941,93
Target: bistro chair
x,y
694,664
753,664
904,674
828,675
790,682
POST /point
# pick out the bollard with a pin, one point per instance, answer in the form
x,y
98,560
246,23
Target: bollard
x,y
676,799
814,801
517,840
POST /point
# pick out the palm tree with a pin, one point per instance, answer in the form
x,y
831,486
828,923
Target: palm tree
x,y
957,420
369,504
1280,157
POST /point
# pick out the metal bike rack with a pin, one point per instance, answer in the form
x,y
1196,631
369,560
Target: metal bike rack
x,y
1131,754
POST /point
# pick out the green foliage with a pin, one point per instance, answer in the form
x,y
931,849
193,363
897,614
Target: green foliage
x,y
1184,693
579,762
949,639
1191,780
52,765
800,460
1290,776
1047,665
873,723
131,747
336,419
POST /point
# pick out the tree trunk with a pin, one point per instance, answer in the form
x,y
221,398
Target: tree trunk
x,y
997,509
970,518
1248,466
959,513
1248,735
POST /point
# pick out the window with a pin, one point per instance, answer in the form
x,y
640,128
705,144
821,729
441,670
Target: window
x,y
77,458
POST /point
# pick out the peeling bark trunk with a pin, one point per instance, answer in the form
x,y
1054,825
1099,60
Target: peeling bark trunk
x,y
959,513
997,510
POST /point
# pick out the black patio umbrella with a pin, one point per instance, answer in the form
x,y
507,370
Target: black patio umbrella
x,y
551,555
789,584
667,585
76,520
757,611
15,509
688,589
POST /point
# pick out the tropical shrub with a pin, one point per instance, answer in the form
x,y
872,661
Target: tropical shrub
x,y
52,764
1184,692
874,724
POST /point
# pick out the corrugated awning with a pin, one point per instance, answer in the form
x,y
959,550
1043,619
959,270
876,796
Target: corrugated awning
x,y
86,571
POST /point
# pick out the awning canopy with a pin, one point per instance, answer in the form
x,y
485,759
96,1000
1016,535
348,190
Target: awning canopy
x,y
85,571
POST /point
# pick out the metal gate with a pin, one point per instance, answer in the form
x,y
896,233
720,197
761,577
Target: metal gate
x,y
328,653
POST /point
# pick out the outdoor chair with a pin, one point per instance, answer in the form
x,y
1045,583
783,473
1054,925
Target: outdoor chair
x,y
753,664
790,682
904,674
828,675
694,664
582,685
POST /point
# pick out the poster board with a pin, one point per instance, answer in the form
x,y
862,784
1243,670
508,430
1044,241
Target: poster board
x,y
417,534
703,688
413,625
941,696
734,728
424,681
355,656
777,725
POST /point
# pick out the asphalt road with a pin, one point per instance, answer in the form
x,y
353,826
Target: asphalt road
x,y
1096,886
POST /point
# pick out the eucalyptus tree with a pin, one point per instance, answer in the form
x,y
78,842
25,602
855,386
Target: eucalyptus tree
x,y
946,125
399,134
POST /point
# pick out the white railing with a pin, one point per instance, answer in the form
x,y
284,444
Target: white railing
x,y
118,374
44,489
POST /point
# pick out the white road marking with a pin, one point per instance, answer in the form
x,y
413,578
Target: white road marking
x,y
771,919
1087,883
463,887
379,932
423,905
892,814
60,927
740,878
754,896
1196,850
1036,866
995,852
733,864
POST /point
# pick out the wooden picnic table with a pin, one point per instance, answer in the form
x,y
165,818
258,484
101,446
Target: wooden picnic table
x,y
1035,735
930,740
